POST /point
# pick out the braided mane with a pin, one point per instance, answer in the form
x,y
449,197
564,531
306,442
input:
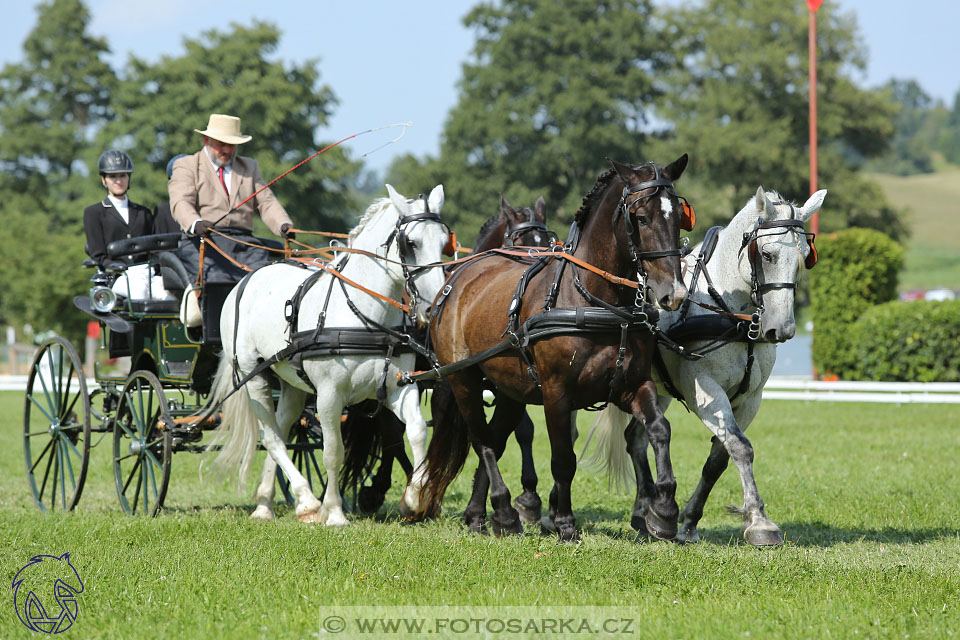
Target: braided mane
x,y
372,210
593,197
491,222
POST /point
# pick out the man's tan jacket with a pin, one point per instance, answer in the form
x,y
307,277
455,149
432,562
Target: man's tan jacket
x,y
196,192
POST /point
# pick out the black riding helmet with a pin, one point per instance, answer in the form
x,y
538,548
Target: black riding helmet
x,y
114,161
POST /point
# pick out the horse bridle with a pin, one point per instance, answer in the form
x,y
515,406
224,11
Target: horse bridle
x,y
756,267
623,208
512,234
405,247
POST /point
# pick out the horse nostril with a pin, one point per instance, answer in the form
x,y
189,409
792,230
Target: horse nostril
x,y
771,335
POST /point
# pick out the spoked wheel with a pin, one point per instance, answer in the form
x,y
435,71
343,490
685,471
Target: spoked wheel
x,y
306,440
56,426
142,445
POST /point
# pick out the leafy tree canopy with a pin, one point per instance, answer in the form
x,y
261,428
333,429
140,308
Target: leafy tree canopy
x,y
280,106
738,104
553,88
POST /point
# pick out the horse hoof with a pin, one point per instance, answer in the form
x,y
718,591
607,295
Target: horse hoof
x,y
509,527
763,537
569,535
529,506
687,536
262,513
311,517
660,528
407,513
369,500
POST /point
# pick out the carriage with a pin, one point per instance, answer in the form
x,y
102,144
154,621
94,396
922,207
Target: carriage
x,y
149,413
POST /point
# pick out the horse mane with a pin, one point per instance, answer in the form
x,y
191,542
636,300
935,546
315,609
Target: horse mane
x,y
491,222
593,197
375,207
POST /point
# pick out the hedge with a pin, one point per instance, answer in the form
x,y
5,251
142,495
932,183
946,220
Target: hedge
x,y
909,341
857,269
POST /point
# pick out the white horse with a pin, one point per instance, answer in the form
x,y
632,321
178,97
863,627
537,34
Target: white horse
x,y
755,265
400,234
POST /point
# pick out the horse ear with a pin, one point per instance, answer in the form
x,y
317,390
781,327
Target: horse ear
x,y
436,198
675,169
504,206
812,205
398,201
540,208
624,171
763,204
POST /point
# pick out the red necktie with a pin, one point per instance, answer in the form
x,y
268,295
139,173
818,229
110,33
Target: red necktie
x,y
220,175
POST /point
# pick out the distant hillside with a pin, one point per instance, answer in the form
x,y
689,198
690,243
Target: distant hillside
x,y
933,203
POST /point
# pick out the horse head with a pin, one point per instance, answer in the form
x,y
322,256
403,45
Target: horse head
x,y
653,215
525,227
772,253
422,238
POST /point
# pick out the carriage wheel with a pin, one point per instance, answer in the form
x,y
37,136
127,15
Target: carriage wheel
x,y
306,440
142,445
56,426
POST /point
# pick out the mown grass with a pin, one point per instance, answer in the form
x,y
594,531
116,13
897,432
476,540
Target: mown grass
x,y
866,496
932,259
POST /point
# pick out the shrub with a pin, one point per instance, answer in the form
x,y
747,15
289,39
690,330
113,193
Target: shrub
x,y
857,269
909,341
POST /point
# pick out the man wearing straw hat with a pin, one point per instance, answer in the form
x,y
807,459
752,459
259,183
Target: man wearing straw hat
x,y
208,187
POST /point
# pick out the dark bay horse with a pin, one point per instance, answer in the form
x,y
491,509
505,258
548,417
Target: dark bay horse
x,y
627,227
381,436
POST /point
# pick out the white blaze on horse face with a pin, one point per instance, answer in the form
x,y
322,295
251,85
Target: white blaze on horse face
x,y
666,206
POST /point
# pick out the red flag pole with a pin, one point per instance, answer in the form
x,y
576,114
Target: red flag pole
x,y
812,47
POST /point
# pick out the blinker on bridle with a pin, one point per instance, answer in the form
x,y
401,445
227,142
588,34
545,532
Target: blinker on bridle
x,y
659,182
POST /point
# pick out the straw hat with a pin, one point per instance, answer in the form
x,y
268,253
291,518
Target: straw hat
x,y
225,129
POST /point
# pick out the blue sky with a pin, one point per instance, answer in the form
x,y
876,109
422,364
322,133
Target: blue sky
x,y
395,62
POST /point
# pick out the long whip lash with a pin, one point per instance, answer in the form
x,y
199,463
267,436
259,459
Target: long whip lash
x,y
404,126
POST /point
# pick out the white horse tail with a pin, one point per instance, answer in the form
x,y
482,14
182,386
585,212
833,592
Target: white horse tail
x,y
239,428
610,455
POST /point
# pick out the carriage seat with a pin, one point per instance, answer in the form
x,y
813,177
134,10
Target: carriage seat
x,y
175,277
139,247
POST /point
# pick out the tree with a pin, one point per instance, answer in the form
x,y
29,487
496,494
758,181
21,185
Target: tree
x,y
49,104
554,87
738,105
161,104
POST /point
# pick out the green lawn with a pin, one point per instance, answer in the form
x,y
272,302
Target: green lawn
x,y
866,496
933,252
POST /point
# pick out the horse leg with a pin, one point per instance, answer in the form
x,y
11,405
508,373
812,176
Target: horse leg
x,y
504,419
261,400
713,468
563,465
662,511
527,503
329,414
731,443
637,444
505,519
289,408
405,404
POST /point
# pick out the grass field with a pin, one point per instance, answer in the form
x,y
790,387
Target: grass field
x,y
933,253
866,496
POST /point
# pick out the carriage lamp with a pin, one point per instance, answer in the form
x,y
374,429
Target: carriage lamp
x,y
103,299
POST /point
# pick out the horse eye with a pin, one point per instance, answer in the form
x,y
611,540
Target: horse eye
x,y
767,256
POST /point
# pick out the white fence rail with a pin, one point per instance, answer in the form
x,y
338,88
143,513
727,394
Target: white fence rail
x,y
892,392
776,389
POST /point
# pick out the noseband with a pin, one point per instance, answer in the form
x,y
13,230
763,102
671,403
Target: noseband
x,y
405,248
623,208
755,257
512,234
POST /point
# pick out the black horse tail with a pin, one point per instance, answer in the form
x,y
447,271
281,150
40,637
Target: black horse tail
x,y
448,448
362,444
